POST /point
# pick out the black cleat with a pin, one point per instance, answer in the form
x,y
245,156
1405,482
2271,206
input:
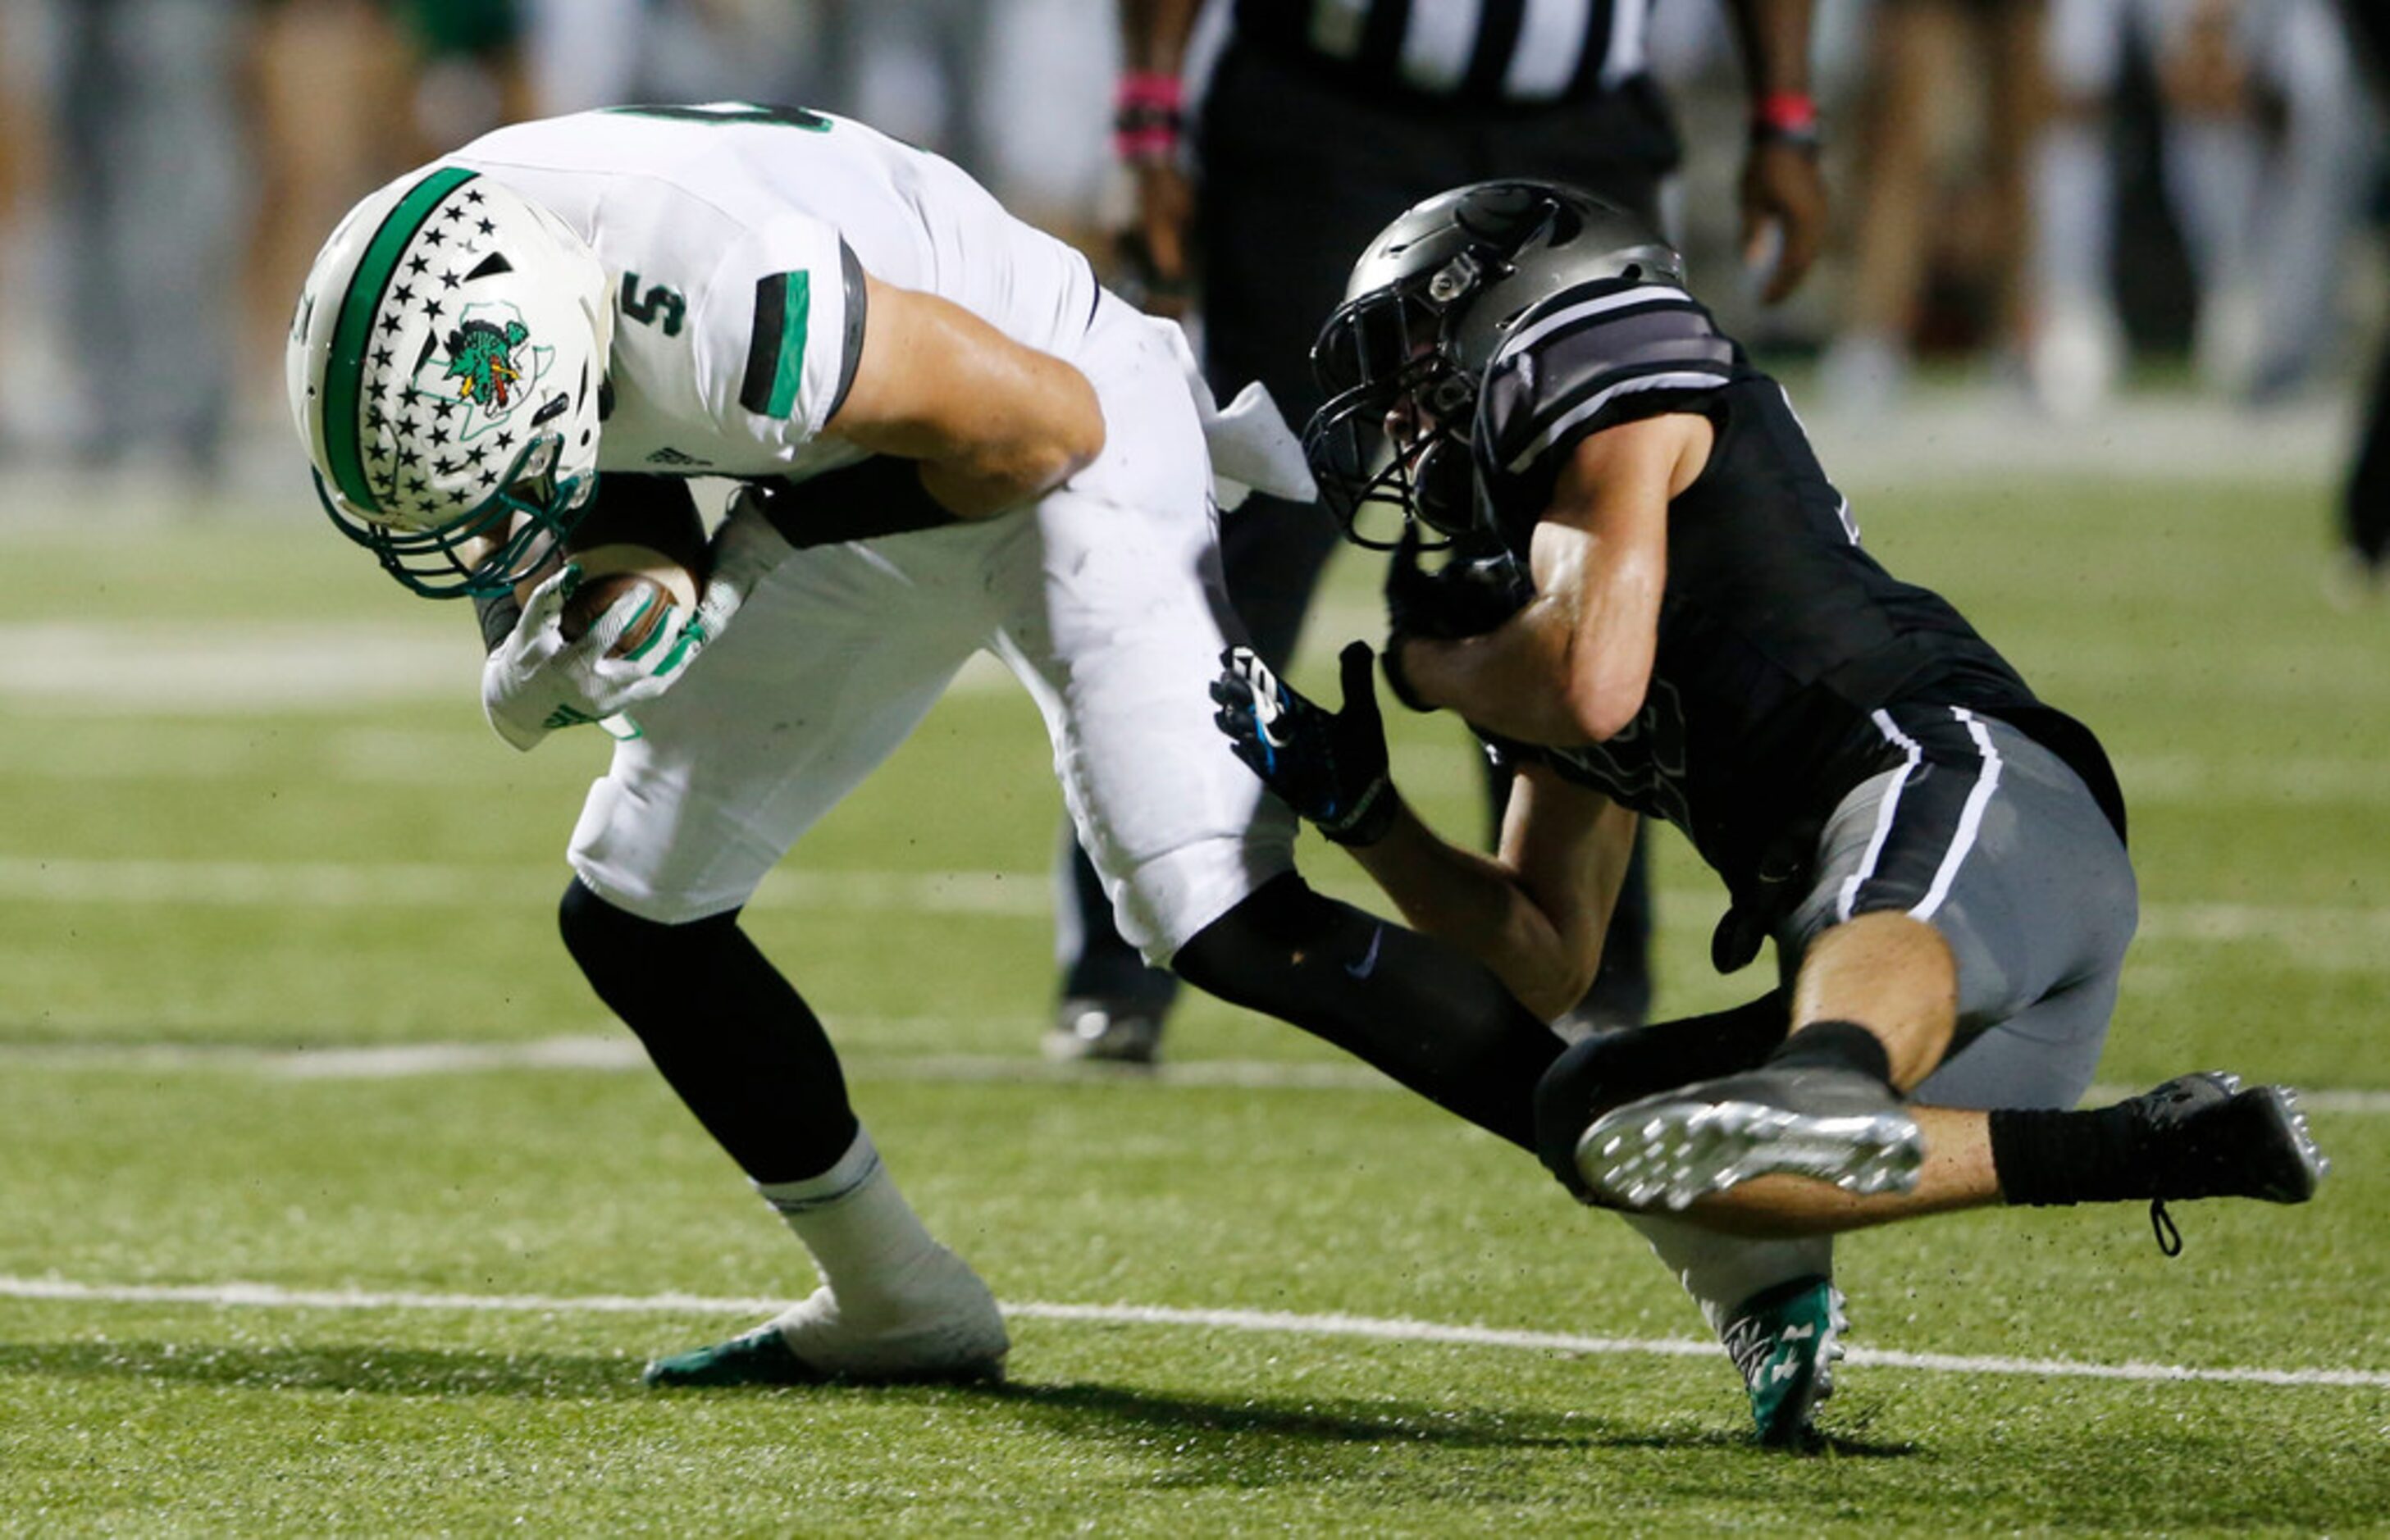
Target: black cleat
x,y
2207,1138
1834,1125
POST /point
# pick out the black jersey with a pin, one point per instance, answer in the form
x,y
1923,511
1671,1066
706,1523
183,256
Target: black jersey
x,y
1780,640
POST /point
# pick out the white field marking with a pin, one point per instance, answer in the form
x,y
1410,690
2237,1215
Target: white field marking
x,y
147,749
241,667
2338,938
619,1051
386,885
272,1297
379,885
616,1052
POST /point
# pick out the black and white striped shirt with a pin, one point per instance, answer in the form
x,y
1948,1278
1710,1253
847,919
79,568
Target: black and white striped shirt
x,y
1473,50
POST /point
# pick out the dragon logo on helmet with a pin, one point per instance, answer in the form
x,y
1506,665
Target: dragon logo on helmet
x,y
481,355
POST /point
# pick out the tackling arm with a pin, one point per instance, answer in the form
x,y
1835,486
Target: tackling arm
x,y
994,424
1572,666
1536,916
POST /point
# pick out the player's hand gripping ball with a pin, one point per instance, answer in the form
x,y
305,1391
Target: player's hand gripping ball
x,y
624,617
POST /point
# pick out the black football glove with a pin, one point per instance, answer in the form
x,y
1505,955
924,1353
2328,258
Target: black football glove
x,y
1329,767
1469,596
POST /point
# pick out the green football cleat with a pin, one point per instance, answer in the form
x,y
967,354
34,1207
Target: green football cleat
x,y
1786,1342
760,1357
945,1330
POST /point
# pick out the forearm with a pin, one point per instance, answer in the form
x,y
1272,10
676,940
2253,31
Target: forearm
x,y
1525,680
1154,32
1502,680
1476,903
1773,36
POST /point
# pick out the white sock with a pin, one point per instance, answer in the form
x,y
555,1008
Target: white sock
x,y
1723,1271
863,1236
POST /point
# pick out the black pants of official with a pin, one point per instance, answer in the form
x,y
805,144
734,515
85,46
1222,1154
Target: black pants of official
x,y
1299,172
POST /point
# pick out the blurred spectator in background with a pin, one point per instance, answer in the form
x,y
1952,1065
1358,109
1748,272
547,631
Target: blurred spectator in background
x,y
1952,100
1318,124
2365,502
2263,135
147,179
331,80
27,348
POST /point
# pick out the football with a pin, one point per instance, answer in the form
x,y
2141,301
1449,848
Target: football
x,y
610,571
626,543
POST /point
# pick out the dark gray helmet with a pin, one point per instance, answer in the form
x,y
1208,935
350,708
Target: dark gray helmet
x,y
1428,306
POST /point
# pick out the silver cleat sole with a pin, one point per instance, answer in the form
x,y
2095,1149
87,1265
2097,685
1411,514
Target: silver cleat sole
x,y
2295,1120
1674,1152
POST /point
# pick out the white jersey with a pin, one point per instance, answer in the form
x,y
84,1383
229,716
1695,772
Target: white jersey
x,y
739,235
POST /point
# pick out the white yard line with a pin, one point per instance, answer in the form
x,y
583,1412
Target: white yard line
x,y
383,885
271,1297
182,669
617,1052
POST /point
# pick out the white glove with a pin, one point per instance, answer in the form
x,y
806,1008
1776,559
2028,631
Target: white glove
x,y
534,680
1252,447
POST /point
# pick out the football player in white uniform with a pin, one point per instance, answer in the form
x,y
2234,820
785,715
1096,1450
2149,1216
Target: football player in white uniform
x,y
950,438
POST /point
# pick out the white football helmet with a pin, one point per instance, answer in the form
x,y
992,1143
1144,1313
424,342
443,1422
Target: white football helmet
x,y
445,367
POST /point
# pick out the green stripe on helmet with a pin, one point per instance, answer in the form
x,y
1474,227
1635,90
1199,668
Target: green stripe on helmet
x,y
344,374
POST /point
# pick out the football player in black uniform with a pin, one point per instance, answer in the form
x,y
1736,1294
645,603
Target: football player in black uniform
x,y
1654,604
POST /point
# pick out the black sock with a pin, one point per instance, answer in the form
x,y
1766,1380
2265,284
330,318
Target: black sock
x,y
1835,1046
729,1032
2094,1157
1422,1011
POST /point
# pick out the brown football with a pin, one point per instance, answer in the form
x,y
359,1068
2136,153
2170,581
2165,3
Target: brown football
x,y
596,595
628,543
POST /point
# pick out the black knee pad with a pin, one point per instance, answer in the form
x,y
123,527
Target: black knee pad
x,y
1609,1069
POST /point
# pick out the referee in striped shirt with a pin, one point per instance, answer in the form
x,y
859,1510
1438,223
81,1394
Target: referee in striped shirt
x,y
1322,121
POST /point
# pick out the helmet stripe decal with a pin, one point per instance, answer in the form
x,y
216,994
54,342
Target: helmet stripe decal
x,y
344,373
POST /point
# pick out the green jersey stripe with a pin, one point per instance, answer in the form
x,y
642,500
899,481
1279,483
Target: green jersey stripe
x,y
344,374
776,350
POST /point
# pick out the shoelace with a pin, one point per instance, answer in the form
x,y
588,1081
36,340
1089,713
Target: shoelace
x,y
2161,1222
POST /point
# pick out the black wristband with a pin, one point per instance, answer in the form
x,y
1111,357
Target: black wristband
x,y
1370,817
498,613
1809,141
1396,679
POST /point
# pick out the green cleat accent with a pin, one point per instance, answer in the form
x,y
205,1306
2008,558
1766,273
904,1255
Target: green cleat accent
x,y
764,1357
759,1357
1786,1342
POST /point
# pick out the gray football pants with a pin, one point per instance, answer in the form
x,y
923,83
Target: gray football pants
x,y
1992,840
